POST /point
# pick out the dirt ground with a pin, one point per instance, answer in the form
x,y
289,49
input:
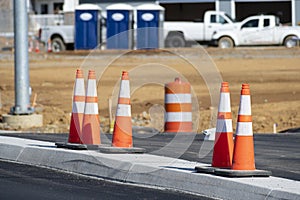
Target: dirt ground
x,y
273,75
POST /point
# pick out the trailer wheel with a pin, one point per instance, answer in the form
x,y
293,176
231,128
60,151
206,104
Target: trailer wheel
x,y
57,45
225,42
291,41
175,40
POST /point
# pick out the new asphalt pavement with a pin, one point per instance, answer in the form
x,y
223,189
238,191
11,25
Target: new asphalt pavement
x,y
20,181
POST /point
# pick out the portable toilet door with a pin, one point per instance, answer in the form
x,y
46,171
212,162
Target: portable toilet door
x,y
87,26
150,19
119,26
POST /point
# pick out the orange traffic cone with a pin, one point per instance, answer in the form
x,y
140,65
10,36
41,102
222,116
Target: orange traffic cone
x,y
223,148
243,156
49,48
91,122
77,109
37,47
122,135
243,164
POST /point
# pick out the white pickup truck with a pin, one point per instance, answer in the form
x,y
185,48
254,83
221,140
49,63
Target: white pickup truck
x,y
61,36
257,30
176,33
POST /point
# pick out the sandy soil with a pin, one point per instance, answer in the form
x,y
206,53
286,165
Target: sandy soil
x,y
273,75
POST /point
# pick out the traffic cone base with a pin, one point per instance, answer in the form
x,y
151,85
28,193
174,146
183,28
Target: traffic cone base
x,y
241,173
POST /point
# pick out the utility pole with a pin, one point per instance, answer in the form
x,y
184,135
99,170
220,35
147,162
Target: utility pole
x,y
21,114
22,88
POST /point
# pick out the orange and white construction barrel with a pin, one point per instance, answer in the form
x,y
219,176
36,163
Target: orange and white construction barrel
x,y
178,106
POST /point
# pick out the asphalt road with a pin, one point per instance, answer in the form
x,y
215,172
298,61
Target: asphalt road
x,y
19,181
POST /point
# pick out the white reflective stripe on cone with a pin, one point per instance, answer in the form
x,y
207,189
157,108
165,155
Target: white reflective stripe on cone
x,y
179,117
244,129
124,89
224,105
123,110
245,105
79,90
224,125
91,90
91,109
78,107
178,98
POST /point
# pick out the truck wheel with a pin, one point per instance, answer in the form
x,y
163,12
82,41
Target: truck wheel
x,y
291,41
58,45
225,42
175,40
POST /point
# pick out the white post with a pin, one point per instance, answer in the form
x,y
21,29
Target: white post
x,y
233,9
217,5
274,128
293,4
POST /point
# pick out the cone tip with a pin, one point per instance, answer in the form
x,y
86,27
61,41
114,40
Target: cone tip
x,y
245,86
225,84
224,87
245,89
79,73
92,74
125,75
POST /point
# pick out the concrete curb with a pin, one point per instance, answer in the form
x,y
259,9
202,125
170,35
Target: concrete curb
x,y
146,169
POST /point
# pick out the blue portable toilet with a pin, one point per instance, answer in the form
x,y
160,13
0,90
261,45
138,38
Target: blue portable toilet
x,y
87,26
119,25
150,19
